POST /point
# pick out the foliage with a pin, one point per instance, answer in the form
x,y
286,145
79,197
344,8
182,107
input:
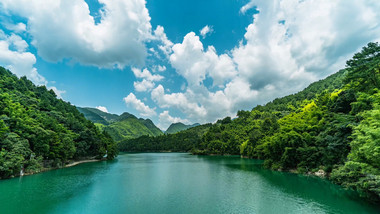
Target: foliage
x,y
364,69
38,130
362,171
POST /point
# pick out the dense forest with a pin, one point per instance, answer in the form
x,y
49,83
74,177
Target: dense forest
x,y
182,141
333,125
37,130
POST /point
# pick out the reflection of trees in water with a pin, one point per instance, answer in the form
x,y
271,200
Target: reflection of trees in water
x,y
40,193
309,188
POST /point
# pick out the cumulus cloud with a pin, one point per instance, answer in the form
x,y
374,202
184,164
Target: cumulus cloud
x,y
206,106
144,85
65,29
192,62
199,103
160,35
206,30
179,101
145,73
137,104
292,43
165,120
102,108
289,44
148,79
13,56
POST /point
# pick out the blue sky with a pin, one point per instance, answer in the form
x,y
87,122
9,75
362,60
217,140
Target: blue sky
x,y
181,61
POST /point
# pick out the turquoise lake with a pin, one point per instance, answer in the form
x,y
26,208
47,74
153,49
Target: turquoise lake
x,y
175,183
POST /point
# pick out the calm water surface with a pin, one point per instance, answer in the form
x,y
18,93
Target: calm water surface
x,y
175,183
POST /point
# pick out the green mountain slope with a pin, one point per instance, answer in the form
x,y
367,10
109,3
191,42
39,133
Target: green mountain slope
x,y
150,125
106,116
125,116
177,127
288,103
129,128
90,115
94,115
38,130
121,127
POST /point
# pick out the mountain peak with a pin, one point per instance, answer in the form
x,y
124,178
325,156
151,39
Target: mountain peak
x,y
177,127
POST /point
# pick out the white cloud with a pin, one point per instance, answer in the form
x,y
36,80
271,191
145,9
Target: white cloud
x,y
190,61
197,101
18,43
205,106
161,68
147,83
144,85
102,108
292,43
137,104
17,28
179,101
145,74
165,120
166,46
14,57
206,30
246,7
65,29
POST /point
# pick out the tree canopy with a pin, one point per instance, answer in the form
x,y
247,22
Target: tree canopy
x,y
38,130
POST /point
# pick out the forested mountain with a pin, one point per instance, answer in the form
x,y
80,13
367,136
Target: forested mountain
x,y
182,141
177,127
38,130
97,116
89,115
333,125
125,126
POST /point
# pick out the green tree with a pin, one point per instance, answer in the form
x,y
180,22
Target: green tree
x,y
364,68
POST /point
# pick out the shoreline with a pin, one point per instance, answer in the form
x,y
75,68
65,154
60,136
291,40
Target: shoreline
x,y
80,162
74,163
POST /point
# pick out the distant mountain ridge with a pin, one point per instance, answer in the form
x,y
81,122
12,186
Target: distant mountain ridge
x,y
120,127
177,127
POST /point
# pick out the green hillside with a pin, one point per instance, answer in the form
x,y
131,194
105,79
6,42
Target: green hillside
x,y
150,125
90,115
97,116
38,130
129,128
121,127
332,127
177,127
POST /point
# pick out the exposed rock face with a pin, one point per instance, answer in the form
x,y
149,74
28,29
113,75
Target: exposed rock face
x,y
320,173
